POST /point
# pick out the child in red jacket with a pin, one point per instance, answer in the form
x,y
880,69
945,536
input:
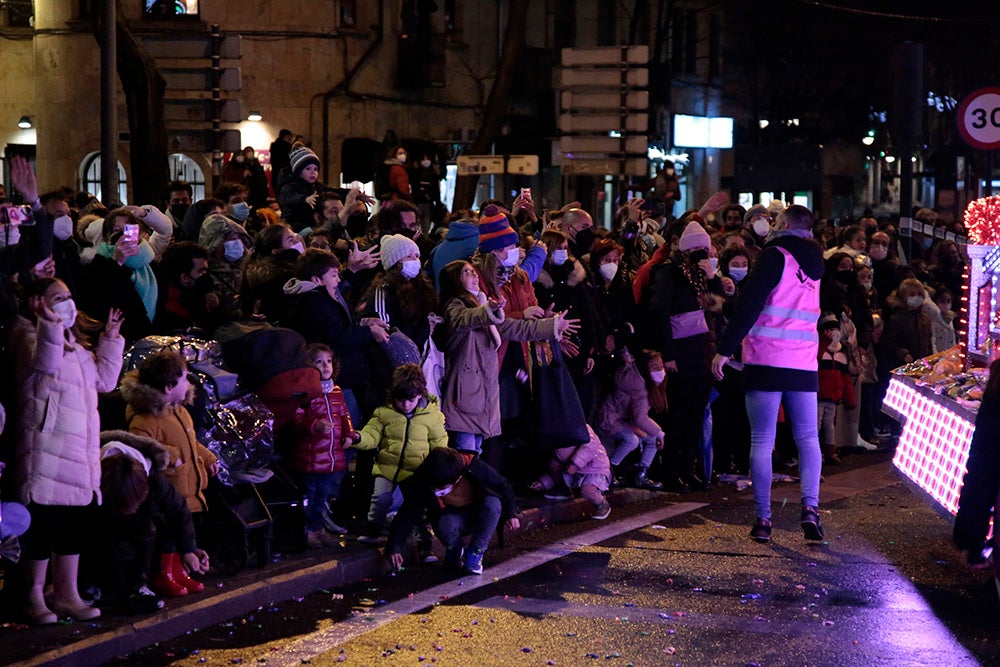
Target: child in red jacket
x,y
835,384
323,430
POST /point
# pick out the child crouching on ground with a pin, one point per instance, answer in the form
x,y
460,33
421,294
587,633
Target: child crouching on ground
x,y
835,384
155,393
403,432
585,467
461,495
140,504
323,430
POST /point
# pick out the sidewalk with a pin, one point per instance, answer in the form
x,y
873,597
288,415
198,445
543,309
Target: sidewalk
x,y
292,576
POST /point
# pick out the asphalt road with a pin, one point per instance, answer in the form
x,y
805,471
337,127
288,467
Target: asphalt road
x,y
665,582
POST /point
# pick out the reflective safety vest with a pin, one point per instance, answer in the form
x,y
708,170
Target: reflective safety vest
x,y
785,335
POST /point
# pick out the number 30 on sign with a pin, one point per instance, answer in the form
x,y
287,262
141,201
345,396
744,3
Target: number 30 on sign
x,y
978,119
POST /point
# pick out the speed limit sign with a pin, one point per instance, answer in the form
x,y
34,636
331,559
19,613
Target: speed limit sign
x,y
978,118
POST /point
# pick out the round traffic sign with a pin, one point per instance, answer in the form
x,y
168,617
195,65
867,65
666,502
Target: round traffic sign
x,y
978,118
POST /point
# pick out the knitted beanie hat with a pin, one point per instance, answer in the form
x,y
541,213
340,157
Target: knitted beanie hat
x,y
395,247
755,211
300,158
495,232
694,236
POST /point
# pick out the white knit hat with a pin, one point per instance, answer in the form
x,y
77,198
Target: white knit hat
x,y
395,247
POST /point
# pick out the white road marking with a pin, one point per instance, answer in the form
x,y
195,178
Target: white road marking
x,y
322,641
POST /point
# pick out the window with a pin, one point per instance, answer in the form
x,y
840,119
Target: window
x,y
183,168
91,177
16,13
169,8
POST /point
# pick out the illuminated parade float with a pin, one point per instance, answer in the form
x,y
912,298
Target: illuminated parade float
x,y
936,398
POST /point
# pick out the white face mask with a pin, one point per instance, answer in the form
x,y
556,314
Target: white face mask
x,y
866,285
297,247
914,302
440,493
560,256
512,257
714,263
62,227
761,227
10,235
66,310
233,249
658,376
609,271
410,268
738,273
835,335
878,252
425,164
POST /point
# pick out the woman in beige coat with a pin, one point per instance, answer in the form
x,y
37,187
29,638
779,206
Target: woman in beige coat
x,y
476,325
58,440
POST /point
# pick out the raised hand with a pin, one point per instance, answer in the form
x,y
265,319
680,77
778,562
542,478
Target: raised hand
x,y
113,326
359,260
22,177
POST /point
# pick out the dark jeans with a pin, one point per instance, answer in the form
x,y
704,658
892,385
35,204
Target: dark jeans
x,y
479,520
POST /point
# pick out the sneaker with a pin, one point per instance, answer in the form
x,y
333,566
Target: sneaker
x,y
557,494
474,562
602,511
369,539
143,601
425,556
792,462
761,531
313,540
332,525
642,482
810,524
865,445
453,556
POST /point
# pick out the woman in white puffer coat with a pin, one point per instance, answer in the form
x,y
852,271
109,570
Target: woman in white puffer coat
x,y
58,440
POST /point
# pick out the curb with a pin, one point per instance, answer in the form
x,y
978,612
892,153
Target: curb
x,y
218,604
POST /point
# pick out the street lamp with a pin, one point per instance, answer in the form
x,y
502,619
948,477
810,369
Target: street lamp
x,y
24,123
255,116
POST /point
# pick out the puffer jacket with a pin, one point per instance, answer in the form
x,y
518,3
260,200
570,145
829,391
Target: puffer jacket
x,y
627,406
58,433
401,442
590,458
315,452
171,425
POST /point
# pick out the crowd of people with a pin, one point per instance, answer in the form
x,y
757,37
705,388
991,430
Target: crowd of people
x,y
508,347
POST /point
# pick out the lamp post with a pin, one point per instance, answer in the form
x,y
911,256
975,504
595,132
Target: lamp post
x,y
109,110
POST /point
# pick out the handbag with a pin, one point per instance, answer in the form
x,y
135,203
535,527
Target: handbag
x,y
559,418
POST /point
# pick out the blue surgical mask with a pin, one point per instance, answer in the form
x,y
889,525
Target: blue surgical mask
x,y
738,273
234,250
241,211
559,257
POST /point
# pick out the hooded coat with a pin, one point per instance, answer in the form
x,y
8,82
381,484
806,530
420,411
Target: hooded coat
x,y
470,393
401,442
626,406
171,425
58,451
166,508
